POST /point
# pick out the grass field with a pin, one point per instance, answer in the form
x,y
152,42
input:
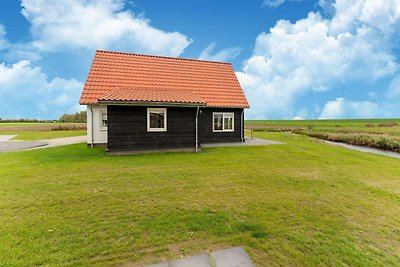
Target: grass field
x,y
40,131
328,123
40,135
299,204
376,133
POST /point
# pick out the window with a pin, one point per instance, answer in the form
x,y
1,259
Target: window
x,y
103,123
223,122
156,119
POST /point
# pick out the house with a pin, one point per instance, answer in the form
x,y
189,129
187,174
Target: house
x,y
141,102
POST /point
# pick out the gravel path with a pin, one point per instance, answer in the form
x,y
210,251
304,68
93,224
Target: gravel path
x,y
365,149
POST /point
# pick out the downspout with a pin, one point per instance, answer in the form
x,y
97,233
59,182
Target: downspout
x,y
197,129
241,125
91,128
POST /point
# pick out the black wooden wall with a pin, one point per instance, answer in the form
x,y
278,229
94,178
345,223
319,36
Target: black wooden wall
x,y
206,126
127,128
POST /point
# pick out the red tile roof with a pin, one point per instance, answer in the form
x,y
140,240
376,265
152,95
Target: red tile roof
x,y
151,95
116,76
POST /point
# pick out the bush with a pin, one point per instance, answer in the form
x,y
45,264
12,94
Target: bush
x,y
391,124
68,127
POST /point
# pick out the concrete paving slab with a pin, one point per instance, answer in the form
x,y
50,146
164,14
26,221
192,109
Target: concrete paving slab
x,y
198,261
65,141
20,145
232,257
9,146
5,138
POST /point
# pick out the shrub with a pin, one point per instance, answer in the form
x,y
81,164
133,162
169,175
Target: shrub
x,y
73,127
391,124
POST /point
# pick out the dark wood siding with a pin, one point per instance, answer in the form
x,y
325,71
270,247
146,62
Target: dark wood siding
x,y
127,129
206,133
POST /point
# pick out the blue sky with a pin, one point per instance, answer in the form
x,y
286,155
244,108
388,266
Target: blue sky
x,y
294,59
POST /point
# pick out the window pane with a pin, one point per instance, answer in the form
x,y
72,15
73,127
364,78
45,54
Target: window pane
x,y
156,119
104,120
218,122
228,122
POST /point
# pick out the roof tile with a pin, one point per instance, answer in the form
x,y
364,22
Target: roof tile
x,y
116,76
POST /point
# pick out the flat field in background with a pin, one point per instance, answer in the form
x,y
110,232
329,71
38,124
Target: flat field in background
x,y
376,133
40,131
304,203
320,123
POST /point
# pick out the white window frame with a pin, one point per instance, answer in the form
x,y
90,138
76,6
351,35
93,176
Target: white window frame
x,y
223,121
103,112
149,110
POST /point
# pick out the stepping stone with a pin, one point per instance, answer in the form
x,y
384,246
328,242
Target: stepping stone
x,y
198,261
232,257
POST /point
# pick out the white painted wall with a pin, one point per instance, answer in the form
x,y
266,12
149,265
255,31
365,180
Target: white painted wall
x,y
99,134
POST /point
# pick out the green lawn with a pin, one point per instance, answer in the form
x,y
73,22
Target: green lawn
x,y
299,204
40,135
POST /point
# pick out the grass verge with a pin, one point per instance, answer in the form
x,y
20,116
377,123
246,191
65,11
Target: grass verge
x,y
303,203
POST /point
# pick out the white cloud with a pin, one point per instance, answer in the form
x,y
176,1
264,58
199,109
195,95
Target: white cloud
x,y
342,108
97,24
327,6
394,88
3,40
382,15
273,3
223,55
26,92
317,55
297,118
277,3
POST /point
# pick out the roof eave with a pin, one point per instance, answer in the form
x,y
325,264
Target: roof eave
x,y
151,103
228,106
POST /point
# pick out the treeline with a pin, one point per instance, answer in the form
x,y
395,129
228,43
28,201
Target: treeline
x,y
76,117
25,120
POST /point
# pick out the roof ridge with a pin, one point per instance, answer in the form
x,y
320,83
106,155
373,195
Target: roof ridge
x,y
153,56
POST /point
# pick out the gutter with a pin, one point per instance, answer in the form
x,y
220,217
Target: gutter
x,y
150,103
197,129
242,126
91,128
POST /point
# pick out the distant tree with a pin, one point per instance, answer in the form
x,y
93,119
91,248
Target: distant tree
x,y
76,117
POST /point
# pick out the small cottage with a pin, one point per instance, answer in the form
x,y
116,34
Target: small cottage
x,y
141,103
